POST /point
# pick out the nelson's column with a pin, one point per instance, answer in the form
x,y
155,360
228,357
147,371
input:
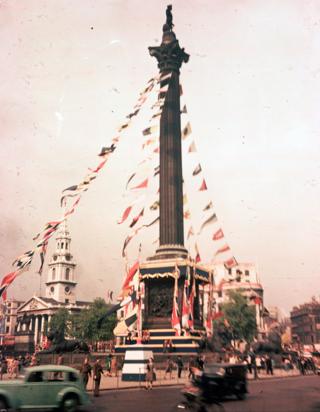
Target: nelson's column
x,y
158,272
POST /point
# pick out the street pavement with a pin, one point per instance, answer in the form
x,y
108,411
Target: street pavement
x,y
115,382
292,394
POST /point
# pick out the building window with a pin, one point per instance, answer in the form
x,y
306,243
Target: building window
x,y
67,301
58,245
67,273
230,271
62,245
53,273
246,272
7,329
66,245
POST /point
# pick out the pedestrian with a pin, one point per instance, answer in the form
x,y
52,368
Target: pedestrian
x,y
254,366
97,372
108,364
114,367
200,363
191,366
179,366
269,367
60,359
150,375
85,372
15,368
3,366
169,368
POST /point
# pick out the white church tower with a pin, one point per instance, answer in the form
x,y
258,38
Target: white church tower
x,y
61,283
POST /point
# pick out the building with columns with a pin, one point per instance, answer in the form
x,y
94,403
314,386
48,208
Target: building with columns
x,y
34,315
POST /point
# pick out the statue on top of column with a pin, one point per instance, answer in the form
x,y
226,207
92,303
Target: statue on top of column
x,y
169,23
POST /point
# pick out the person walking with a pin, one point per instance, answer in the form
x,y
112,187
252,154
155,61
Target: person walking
x,y
191,366
169,368
179,366
150,375
269,367
97,372
85,372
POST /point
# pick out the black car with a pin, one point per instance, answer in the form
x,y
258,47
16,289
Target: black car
x,y
224,379
216,382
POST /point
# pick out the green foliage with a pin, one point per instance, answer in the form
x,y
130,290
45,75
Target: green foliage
x,y
60,325
85,324
238,321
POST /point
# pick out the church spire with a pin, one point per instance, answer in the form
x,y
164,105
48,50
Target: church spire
x,y
61,282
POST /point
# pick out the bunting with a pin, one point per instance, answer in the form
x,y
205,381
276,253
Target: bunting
x,y
125,215
211,219
175,320
230,263
197,170
192,148
203,186
223,249
218,235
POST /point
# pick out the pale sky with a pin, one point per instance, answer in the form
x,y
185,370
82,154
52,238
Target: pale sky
x,y
71,70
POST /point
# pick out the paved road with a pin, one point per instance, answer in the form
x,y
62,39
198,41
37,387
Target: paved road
x,y
298,394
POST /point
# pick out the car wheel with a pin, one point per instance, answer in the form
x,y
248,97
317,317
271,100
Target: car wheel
x,y
69,404
183,406
3,405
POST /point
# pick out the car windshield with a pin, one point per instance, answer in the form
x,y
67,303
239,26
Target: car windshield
x,y
214,370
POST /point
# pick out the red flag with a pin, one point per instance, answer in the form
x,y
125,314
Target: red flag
x,y
257,300
230,263
203,186
131,272
218,235
6,281
125,215
217,315
197,258
175,320
142,185
191,301
185,306
222,249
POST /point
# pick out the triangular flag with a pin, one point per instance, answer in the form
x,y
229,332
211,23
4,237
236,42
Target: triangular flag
x,y
218,235
192,148
203,186
197,170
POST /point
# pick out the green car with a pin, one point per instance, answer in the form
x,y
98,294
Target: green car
x,y
44,387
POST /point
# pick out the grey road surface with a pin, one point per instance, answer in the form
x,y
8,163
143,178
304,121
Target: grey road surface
x,y
298,394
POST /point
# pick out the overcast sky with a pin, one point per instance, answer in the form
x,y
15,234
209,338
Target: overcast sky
x,y
71,71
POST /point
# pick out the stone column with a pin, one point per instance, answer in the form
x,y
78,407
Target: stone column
x,y
42,327
36,330
170,57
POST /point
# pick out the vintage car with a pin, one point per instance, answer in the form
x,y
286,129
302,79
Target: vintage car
x,y
226,379
44,387
209,387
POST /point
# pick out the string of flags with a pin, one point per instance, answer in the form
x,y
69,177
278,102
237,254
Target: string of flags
x,y
142,179
220,248
23,262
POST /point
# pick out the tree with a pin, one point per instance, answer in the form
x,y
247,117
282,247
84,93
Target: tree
x,y
238,321
85,324
60,325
